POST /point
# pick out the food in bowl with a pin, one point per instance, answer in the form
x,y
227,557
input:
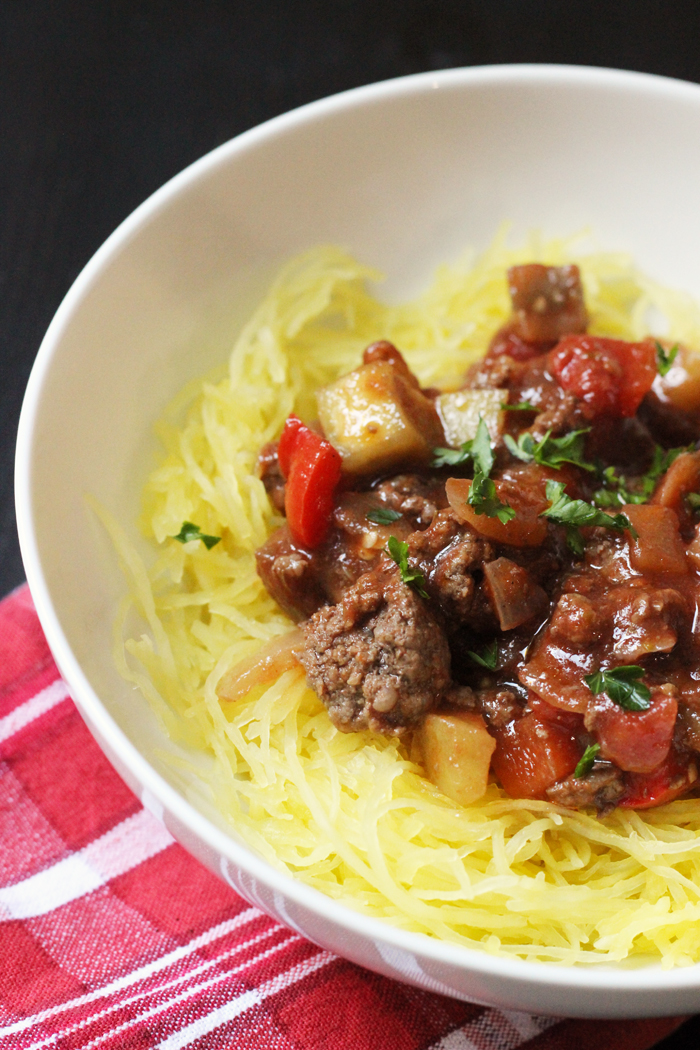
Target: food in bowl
x,y
538,466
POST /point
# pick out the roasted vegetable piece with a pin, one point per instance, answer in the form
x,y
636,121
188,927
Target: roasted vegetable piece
x,y
461,411
681,479
514,596
532,755
265,666
312,468
610,376
378,418
547,301
681,384
527,529
658,546
456,749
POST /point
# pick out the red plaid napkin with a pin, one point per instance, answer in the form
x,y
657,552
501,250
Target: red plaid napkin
x,y
112,936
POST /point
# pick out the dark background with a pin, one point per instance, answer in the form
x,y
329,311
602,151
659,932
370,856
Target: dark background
x,y
101,101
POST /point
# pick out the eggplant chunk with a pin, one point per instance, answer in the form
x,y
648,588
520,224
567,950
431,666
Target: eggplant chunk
x,y
460,413
377,420
456,749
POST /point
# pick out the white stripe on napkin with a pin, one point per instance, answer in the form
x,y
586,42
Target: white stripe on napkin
x,y
143,973
496,1029
134,840
156,992
37,705
296,973
235,1007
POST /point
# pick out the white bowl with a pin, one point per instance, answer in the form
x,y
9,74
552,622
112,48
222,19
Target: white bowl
x,y
405,174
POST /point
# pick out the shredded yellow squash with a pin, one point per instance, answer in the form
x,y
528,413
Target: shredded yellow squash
x,y
350,814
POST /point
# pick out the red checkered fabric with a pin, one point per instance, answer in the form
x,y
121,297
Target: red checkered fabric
x,y
112,936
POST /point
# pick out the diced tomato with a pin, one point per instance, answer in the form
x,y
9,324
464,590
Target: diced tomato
x,y
531,755
610,376
637,741
570,720
668,781
312,468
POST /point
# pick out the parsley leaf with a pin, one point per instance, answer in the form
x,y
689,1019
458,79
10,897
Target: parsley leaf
x,y
623,685
193,532
619,490
481,451
382,515
575,513
550,452
452,457
664,360
487,656
586,761
477,449
519,406
398,552
693,501
482,497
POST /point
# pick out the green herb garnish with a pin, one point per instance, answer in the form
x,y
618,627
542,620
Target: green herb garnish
x,y
623,685
193,532
520,406
573,514
487,656
586,761
382,515
619,490
452,457
664,360
693,501
482,497
482,494
550,452
398,552
477,449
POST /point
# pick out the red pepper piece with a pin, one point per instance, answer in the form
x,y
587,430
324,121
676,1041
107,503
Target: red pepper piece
x,y
312,468
610,376
288,443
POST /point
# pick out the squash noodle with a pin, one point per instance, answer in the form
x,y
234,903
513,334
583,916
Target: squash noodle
x,y
351,814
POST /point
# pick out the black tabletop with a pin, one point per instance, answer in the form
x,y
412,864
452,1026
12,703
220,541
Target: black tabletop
x,y
101,101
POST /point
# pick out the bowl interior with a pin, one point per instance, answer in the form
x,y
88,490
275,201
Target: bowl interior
x,y
405,175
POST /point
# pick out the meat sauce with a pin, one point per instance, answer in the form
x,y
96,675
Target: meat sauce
x,y
539,581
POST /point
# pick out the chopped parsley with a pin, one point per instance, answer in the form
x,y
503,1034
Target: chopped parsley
x,y
550,452
664,359
586,761
482,494
452,457
481,451
398,552
487,656
618,490
520,406
573,514
484,500
193,532
623,685
382,515
693,501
